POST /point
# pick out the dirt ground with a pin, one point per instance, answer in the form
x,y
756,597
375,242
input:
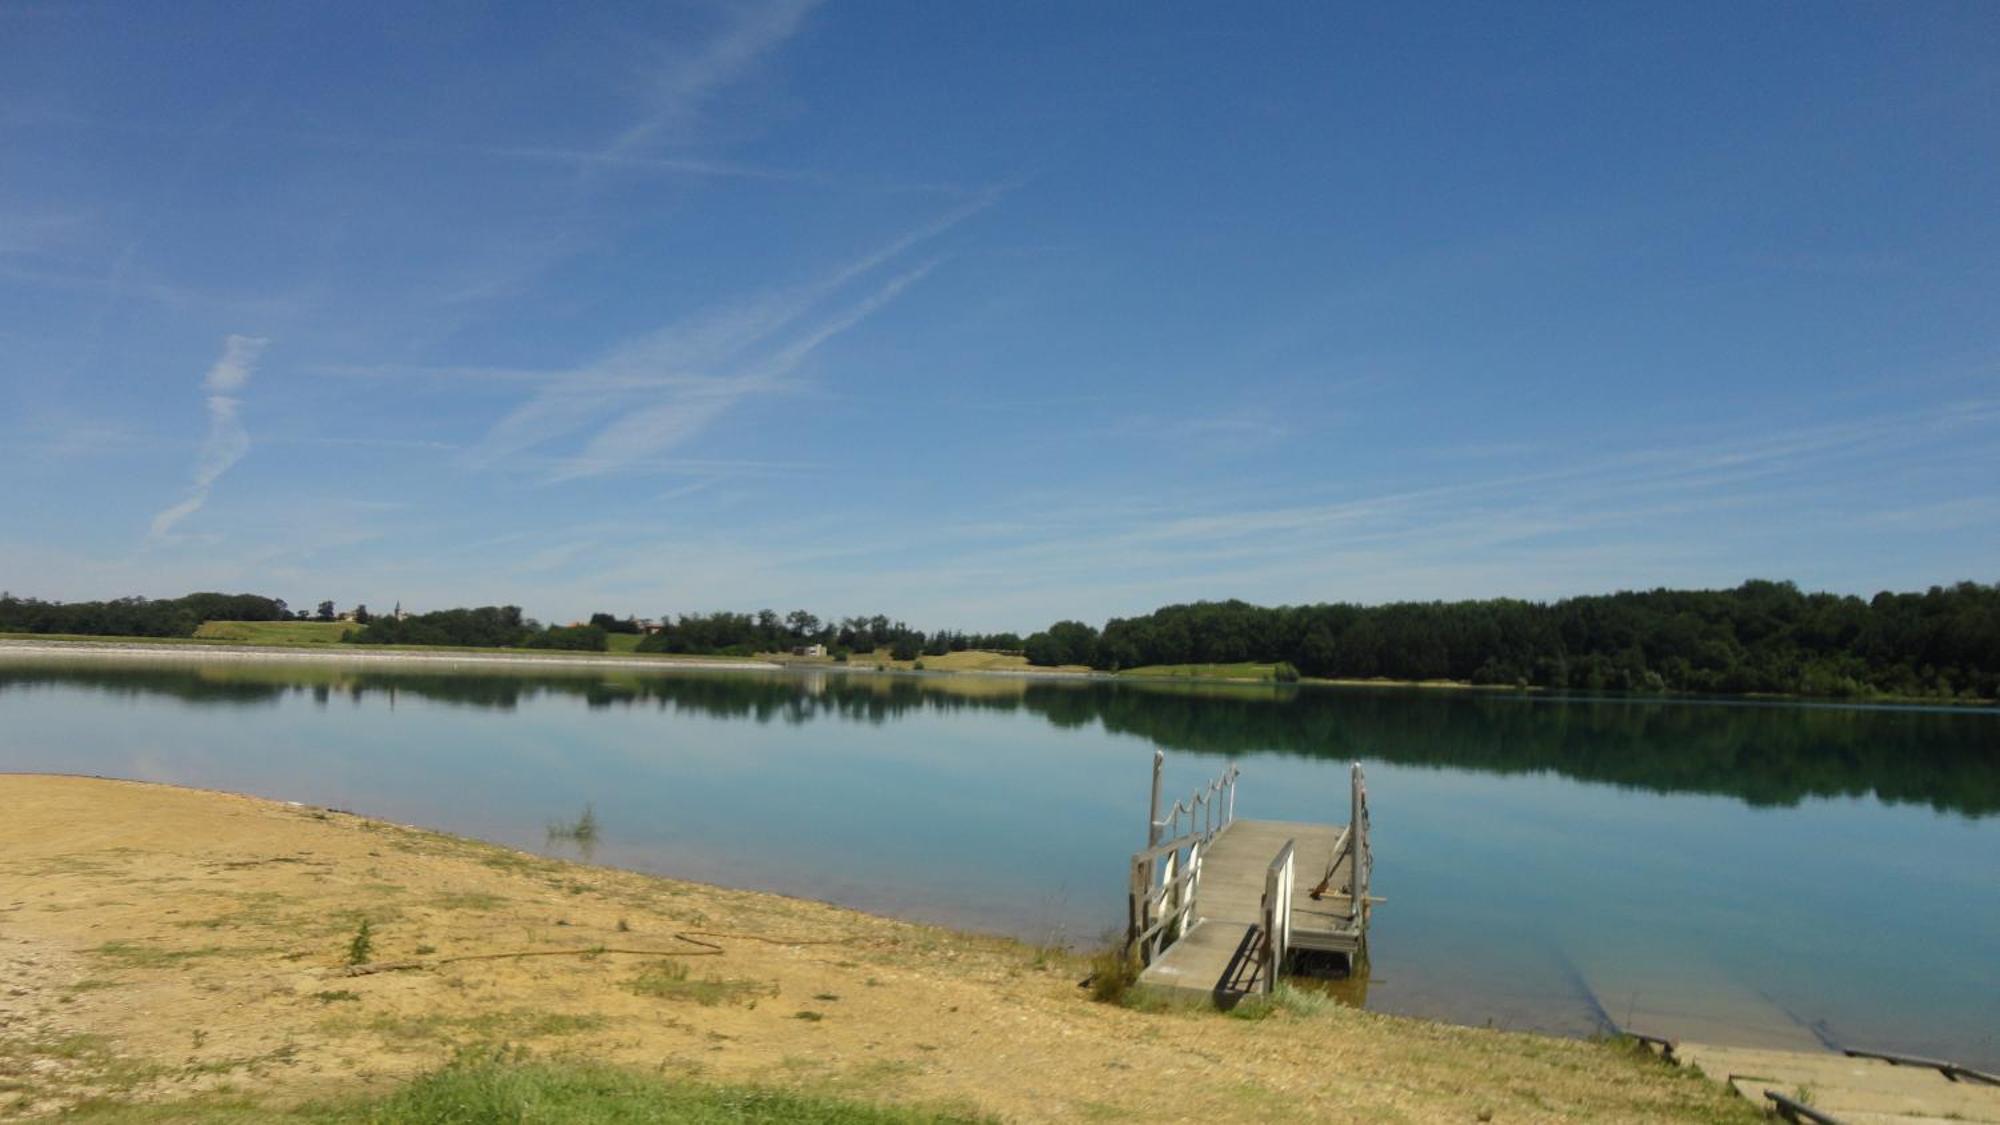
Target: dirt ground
x,y
157,943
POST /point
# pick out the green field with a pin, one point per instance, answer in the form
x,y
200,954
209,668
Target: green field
x,y
274,632
1244,671
624,642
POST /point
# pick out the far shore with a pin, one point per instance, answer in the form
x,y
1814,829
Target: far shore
x,y
951,664
197,650
981,666
174,649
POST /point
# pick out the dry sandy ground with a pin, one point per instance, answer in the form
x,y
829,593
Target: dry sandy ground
x,y
156,943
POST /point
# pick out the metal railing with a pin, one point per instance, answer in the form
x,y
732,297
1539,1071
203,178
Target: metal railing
x,y
1166,874
1277,911
1946,1067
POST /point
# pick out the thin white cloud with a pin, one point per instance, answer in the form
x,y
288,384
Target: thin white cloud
x,y
227,440
660,390
682,87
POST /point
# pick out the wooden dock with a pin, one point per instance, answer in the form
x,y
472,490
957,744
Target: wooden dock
x,y
1221,907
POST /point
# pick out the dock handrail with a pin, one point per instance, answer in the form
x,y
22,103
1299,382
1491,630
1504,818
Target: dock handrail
x,y
1277,912
1166,873
1353,840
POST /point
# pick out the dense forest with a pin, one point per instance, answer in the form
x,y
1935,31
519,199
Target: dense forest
x,y
1758,637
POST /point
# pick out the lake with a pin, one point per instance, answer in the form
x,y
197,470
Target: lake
x,y
1547,862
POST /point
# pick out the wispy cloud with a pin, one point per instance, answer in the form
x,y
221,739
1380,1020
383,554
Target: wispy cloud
x,y
681,88
227,440
656,392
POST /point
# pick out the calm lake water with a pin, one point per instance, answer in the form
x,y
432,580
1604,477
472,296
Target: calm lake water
x,y
1546,861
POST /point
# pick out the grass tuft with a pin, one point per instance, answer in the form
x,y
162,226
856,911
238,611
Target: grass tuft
x,y
583,829
361,947
1113,972
669,980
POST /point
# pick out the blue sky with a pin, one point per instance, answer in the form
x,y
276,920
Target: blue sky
x,y
988,315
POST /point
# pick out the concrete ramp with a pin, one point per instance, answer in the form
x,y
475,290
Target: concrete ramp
x,y
1854,1091
1689,1000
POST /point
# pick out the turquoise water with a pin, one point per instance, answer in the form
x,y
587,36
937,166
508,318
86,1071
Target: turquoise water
x,y
1841,864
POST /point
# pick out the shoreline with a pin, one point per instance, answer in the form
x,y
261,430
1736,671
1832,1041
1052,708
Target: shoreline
x,y
197,650
356,654
169,944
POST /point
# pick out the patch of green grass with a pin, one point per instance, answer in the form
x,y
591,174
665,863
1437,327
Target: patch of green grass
x,y
1286,998
361,946
1246,670
487,1027
1113,972
62,1066
468,900
670,980
504,1090
273,632
132,955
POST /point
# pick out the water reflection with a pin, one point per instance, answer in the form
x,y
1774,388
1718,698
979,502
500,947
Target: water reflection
x,y
1762,754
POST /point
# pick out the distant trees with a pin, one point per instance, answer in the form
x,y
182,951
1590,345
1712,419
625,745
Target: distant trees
x,y
134,617
743,634
491,626
1069,642
1759,637
581,638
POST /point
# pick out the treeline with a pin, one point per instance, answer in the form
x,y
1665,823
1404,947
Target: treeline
x,y
135,617
490,626
1758,637
744,634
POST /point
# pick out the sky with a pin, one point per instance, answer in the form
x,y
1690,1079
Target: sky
x,y
984,316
